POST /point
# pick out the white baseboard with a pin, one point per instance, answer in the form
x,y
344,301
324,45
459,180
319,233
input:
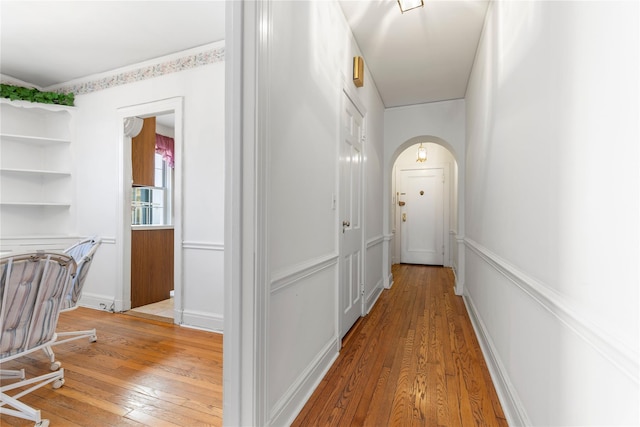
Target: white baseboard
x,y
373,297
98,302
289,406
389,283
511,404
203,320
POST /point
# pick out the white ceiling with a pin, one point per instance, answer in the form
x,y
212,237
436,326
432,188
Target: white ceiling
x,y
424,55
51,42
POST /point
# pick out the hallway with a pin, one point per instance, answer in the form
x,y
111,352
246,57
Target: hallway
x,y
414,360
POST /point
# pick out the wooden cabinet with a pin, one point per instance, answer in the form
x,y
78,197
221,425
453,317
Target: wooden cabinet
x,y
37,190
143,149
151,266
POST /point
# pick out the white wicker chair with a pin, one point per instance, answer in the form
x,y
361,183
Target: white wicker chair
x,y
82,252
32,289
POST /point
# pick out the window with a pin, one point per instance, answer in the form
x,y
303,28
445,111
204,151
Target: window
x,y
152,205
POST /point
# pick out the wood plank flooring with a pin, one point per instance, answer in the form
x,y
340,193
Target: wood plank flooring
x,y
139,372
414,360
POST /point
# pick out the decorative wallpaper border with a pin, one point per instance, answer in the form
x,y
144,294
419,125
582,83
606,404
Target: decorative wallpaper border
x,y
147,72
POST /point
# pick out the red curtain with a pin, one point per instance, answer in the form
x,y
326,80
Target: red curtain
x,y
165,147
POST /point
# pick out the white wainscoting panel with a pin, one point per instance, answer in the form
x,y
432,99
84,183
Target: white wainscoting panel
x,y
373,275
302,328
203,285
542,355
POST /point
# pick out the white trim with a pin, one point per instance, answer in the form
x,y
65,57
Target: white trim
x,y
107,240
387,261
625,359
460,266
207,246
236,404
375,241
287,408
373,296
349,90
287,277
259,218
509,400
98,302
29,104
390,282
203,320
123,220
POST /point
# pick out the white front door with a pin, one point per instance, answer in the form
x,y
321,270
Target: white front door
x,y
422,216
350,294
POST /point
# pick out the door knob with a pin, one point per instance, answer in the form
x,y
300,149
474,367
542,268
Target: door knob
x,y
346,223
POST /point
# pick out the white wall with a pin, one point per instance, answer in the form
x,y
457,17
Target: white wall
x,y
97,156
304,62
552,208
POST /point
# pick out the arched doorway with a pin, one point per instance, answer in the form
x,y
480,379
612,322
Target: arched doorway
x,y
440,155
423,212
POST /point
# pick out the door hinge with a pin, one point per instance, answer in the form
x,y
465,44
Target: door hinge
x,y
362,289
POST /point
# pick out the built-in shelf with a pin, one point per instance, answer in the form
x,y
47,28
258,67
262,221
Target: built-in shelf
x,y
35,172
36,163
37,140
57,204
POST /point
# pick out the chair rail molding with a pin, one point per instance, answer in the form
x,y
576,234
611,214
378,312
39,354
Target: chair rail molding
x,y
620,356
286,277
207,246
374,241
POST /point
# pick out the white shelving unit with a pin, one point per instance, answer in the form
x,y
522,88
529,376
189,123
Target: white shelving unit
x,y
37,190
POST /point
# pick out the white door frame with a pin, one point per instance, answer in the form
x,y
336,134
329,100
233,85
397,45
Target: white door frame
x,y
123,237
349,95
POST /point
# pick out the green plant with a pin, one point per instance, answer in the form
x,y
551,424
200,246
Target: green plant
x,y
34,95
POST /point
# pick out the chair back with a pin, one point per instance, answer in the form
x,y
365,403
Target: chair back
x,y
82,253
32,288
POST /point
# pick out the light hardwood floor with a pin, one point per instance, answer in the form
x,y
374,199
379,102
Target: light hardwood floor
x,y
139,372
414,360
161,311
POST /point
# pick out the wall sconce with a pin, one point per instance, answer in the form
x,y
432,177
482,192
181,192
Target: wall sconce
x,y
358,71
409,4
422,154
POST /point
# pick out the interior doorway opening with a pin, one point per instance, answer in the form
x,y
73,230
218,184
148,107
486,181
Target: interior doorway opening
x,y
425,207
150,206
152,219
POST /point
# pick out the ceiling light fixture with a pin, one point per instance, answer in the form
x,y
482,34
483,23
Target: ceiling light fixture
x,y
422,154
409,4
